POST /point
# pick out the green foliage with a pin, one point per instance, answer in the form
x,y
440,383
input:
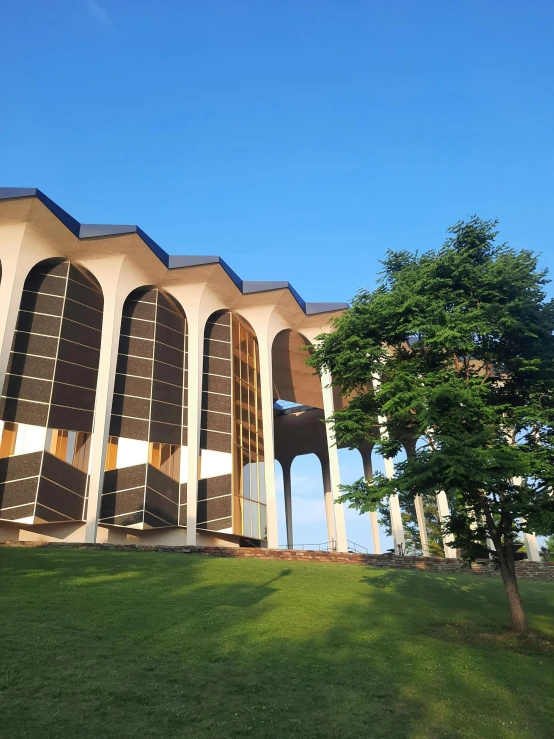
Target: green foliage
x,y
547,550
461,340
411,529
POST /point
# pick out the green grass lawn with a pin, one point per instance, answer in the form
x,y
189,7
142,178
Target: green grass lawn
x,y
109,644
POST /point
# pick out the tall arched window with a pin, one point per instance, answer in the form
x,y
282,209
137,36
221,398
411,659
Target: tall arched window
x,y
231,489
47,404
145,478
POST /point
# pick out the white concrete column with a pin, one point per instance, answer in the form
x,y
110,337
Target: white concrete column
x,y
410,447
444,513
266,383
531,547
422,525
108,273
198,303
195,328
529,539
394,508
373,519
328,499
287,489
334,469
394,503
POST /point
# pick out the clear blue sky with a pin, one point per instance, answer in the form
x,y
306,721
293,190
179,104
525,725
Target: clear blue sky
x,y
298,140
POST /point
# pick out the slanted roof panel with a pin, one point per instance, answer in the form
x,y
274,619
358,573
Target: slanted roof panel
x,y
171,261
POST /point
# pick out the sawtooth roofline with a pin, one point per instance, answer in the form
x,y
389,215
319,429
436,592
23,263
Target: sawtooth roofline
x,y
96,230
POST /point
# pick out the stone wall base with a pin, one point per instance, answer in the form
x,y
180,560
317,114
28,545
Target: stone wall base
x,y
543,571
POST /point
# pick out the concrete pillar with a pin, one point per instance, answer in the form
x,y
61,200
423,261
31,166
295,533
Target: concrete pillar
x,y
531,547
334,470
394,503
422,525
444,512
410,447
266,387
395,511
287,489
365,453
108,273
328,499
195,327
529,539
198,304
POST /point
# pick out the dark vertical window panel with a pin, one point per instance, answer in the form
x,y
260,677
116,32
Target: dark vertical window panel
x,y
136,347
47,284
78,353
81,334
151,378
216,379
168,373
248,469
169,319
71,374
45,382
34,350
134,386
216,419
45,386
170,336
137,327
82,313
167,393
164,433
49,305
37,323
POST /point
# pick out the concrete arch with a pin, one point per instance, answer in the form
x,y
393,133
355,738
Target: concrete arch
x,y
148,423
231,490
292,380
49,394
59,327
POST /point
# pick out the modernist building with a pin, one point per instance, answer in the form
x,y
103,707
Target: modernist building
x,y
144,395
139,389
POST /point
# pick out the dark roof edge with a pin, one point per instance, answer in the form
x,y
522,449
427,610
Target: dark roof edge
x,y
171,261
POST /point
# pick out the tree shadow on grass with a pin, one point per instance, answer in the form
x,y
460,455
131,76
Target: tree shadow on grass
x,y
470,599
127,645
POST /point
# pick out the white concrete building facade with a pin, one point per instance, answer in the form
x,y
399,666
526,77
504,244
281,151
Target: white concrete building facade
x,y
139,389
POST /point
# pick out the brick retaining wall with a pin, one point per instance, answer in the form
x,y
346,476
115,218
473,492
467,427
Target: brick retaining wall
x,y
543,571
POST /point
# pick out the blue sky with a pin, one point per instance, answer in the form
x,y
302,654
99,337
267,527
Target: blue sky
x,y
298,140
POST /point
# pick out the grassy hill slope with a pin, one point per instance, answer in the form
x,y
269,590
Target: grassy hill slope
x,y
109,644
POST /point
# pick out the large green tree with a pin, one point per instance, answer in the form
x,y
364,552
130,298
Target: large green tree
x,y
461,342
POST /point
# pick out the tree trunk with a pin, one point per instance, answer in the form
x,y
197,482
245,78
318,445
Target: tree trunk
x,y
507,564
508,571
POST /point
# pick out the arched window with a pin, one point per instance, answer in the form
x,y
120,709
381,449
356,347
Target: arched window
x,y
231,489
47,404
145,480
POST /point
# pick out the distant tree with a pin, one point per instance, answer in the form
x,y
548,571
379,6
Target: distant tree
x,y
412,536
461,340
547,550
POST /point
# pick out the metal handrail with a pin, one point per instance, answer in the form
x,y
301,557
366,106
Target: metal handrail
x,y
328,546
325,546
352,546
